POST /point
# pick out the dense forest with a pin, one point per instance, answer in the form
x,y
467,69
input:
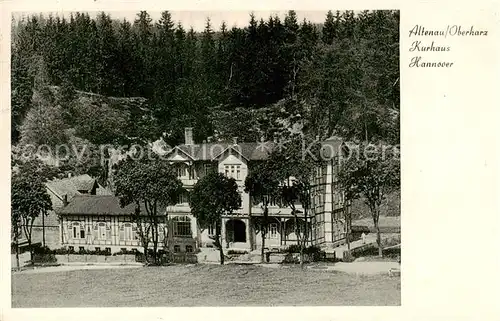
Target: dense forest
x,y
108,80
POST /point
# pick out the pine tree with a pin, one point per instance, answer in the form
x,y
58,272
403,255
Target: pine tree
x,y
107,69
144,38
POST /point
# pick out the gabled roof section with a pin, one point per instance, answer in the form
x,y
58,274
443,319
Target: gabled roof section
x,y
71,186
235,148
254,151
210,151
178,149
99,205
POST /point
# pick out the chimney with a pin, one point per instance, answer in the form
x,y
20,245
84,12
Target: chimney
x,y
65,199
69,175
188,136
235,140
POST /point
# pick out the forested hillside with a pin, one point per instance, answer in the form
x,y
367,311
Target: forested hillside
x,y
340,78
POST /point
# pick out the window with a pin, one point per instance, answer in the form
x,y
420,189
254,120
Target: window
x,y
182,226
108,250
189,248
123,249
71,248
208,168
98,249
184,171
126,233
273,230
177,248
233,171
211,230
102,231
78,231
184,198
81,249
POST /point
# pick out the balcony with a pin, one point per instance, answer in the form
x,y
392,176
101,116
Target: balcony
x,y
188,181
274,210
179,208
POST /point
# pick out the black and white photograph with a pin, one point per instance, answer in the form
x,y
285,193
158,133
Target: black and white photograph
x,y
205,158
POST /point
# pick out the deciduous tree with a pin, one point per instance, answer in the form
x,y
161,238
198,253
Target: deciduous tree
x,y
151,184
262,184
371,172
295,161
29,200
214,196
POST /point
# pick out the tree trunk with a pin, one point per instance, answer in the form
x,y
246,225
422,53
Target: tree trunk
x,y
43,229
31,250
302,257
145,253
221,251
155,243
263,231
262,254
375,209
348,231
305,237
299,243
379,241
16,236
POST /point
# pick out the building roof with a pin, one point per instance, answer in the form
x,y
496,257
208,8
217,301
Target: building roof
x,y
97,205
331,147
72,186
210,151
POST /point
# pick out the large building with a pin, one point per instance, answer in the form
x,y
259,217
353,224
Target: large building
x,y
239,230
98,222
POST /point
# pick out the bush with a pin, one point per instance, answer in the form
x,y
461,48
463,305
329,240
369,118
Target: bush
x,y
290,258
42,254
122,252
392,240
348,257
65,251
164,257
44,258
42,250
237,252
294,248
314,253
373,251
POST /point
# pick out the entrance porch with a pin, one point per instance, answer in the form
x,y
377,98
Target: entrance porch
x,y
281,232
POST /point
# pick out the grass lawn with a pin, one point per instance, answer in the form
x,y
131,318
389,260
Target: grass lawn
x,y
201,285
